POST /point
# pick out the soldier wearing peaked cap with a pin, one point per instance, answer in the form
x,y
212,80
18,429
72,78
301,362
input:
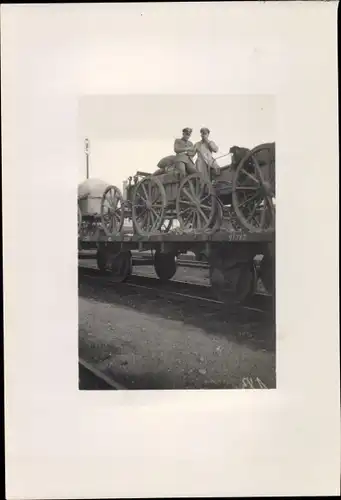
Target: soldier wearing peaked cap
x,y
184,150
204,149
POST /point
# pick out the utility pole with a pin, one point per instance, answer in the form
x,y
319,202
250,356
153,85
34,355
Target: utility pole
x,y
87,154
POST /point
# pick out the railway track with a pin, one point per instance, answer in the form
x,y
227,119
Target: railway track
x,y
202,293
92,379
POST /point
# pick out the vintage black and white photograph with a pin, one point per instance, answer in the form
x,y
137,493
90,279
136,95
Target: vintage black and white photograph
x,y
176,240
170,223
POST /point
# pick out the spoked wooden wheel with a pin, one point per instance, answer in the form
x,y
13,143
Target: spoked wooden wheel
x,y
253,189
196,204
148,205
112,211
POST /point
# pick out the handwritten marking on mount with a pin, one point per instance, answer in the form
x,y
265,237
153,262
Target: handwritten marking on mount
x,y
250,383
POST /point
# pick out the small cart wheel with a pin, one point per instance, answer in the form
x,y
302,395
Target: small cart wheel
x,y
112,211
165,265
80,219
253,189
148,205
196,204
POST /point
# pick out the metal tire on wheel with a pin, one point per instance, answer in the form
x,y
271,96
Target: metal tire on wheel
x,y
253,190
196,204
148,205
165,265
112,211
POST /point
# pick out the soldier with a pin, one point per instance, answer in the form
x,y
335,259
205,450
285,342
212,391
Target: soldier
x,y
204,150
184,152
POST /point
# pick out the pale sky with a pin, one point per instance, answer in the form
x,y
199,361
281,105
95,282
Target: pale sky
x,y
132,132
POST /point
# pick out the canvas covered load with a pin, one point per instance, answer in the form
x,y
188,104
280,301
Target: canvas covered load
x,y
90,193
166,162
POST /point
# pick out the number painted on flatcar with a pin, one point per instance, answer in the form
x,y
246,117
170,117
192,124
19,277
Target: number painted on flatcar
x,y
237,237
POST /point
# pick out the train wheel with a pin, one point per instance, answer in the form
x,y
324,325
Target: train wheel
x,y
148,205
101,260
237,283
253,189
246,283
112,211
267,271
196,204
165,265
120,266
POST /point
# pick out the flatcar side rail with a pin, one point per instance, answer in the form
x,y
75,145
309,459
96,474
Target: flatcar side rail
x,y
223,236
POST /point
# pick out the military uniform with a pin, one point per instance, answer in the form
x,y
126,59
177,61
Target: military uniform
x,y
183,160
205,160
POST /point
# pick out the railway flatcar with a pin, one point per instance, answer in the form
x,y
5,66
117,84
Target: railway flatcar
x,y
229,216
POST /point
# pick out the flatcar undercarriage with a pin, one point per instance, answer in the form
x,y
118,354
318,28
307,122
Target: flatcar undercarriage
x,y
233,273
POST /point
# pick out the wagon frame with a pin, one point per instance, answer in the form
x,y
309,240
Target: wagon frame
x,y
240,194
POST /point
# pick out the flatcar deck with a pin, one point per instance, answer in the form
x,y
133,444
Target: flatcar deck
x,y
220,236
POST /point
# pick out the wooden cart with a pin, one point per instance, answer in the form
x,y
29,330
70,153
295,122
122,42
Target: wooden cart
x,y
239,195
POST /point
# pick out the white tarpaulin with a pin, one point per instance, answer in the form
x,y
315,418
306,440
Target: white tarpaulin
x,y
90,194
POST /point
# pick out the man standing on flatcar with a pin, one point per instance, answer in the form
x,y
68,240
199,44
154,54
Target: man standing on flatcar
x,y
184,150
204,149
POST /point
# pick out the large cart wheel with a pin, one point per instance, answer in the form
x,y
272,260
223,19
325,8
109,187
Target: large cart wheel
x,y
112,211
165,265
253,189
148,205
196,204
